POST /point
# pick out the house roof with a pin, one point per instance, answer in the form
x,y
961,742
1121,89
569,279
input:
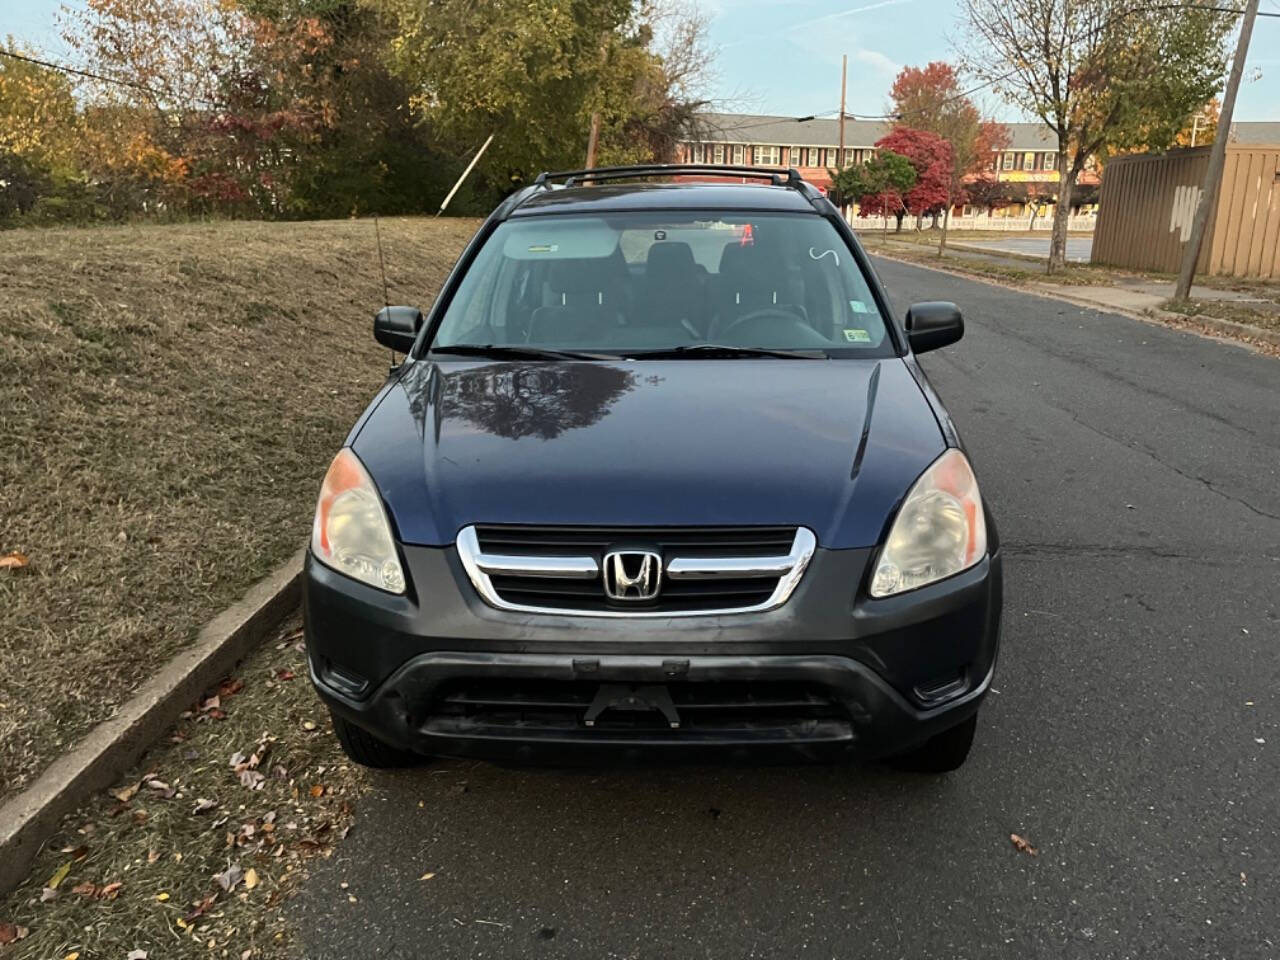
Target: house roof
x,y
825,132
1260,131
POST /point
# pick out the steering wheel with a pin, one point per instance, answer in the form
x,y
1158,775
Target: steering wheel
x,y
758,315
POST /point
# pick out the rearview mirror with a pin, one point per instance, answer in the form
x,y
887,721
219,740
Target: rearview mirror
x,y
933,324
397,327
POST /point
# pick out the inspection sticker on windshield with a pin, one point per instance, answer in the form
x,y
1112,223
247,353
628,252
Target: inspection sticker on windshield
x,y
543,247
857,306
857,336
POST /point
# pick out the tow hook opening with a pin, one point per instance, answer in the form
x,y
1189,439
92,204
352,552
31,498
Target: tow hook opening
x,y
634,698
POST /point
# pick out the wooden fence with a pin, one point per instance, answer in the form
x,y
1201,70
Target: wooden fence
x,y
1148,202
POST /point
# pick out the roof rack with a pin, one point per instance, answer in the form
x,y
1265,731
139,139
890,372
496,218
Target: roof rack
x,y
779,177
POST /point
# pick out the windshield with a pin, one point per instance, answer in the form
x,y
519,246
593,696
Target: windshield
x,y
631,283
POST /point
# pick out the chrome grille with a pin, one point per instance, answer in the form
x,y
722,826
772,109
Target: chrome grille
x,y
705,571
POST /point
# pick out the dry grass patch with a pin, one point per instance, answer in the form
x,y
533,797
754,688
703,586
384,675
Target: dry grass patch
x,y
1262,316
171,397
195,852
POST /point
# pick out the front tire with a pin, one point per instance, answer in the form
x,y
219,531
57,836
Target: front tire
x,y
942,752
364,748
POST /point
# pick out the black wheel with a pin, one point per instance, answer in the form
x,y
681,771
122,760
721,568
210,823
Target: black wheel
x,y
941,753
367,750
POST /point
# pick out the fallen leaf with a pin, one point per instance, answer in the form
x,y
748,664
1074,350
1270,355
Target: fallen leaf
x,y
252,779
213,703
85,889
229,878
317,791
200,909
1021,845
247,954
308,725
59,875
74,955
79,853
11,933
136,955
153,856
162,897
47,894
285,674
426,876
230,688
250,879
203,805
110,891
13,561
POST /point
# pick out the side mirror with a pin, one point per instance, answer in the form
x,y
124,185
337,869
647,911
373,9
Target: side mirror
x,y
933,324
397,327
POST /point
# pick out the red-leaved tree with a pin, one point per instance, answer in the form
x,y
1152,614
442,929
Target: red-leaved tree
x,y
930,98
930,155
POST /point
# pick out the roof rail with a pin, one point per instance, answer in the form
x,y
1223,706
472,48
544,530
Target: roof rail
x,y
779,177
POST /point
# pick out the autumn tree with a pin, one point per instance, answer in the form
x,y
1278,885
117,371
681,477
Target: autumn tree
x,y
1201,129
929,98
37,131
930,157
1105,75
878,183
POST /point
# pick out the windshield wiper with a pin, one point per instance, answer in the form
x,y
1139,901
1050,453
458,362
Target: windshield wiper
x,y
723,350
506,351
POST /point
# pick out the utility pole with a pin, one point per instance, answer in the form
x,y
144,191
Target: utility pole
x,y
591,140
844,75
1217,158
839,164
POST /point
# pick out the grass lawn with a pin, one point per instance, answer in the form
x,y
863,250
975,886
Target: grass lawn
x,y
922,248
171,398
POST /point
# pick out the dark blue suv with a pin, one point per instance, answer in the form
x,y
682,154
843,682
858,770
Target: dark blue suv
x,y
659,475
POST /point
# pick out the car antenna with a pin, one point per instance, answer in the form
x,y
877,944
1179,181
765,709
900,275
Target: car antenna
x,y
382,269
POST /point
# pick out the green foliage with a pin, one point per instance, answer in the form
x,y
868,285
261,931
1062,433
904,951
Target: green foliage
x,y
331,108
534,73
877,181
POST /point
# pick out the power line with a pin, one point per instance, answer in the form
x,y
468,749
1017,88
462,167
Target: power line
x,y
90,75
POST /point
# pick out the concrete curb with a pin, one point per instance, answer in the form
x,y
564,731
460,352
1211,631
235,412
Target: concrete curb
x,y
1223,331
30,818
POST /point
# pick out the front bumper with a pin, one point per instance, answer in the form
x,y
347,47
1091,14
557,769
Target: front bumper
x,y
888,673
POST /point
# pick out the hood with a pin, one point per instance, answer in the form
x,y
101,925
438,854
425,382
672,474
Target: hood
x,y
830,445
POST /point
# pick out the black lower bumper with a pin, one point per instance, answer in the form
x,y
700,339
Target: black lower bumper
x,y
828,675
861,714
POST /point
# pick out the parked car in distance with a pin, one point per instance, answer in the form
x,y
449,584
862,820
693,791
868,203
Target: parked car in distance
x,y
658,475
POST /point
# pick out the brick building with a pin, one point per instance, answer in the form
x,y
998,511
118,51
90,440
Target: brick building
x,y
1030,161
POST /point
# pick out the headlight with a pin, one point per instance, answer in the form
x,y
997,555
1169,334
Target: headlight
x,y
939,531
351,533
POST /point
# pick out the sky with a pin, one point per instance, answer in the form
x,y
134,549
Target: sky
x,y
784,57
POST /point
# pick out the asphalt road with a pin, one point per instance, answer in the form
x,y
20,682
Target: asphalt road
x,y
1078,248
1136,475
